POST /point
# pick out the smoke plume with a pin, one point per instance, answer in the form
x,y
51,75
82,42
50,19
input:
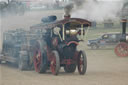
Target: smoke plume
x,y
68,9
97,10
76,4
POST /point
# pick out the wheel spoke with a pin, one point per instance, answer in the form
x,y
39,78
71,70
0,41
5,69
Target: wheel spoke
x,y
55,63
37,60
40,57
82,63
122,49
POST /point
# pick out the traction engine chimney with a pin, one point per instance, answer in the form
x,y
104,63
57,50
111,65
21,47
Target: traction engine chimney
x,y
124,23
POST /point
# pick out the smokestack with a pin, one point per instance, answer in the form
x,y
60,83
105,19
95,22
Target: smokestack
x,y
75,4
67,16
124,23
68,10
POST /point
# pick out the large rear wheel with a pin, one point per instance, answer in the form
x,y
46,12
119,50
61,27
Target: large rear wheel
x,y
121,49
82,63
55,63
40,58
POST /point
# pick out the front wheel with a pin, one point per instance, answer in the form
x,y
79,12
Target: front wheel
x,y
55,63
94,46
82,63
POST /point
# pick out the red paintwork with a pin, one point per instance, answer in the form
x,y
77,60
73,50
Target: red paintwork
x,y
55,42
51,58
37,61
53,65
71,61
121,49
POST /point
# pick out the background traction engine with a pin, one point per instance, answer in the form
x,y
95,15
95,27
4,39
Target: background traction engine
x,y
17,46
121,49
58,47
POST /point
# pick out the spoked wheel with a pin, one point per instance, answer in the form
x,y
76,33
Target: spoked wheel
x,y
94,46
82,63
70,68
121,49
55,63
40,59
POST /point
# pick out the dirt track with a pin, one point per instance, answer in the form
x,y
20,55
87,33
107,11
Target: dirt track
x,y
104,68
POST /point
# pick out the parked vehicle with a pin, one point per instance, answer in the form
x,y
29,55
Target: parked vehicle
x,y
108,39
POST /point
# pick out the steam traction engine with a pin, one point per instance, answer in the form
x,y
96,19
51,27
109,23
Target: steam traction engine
x,y
122,48
58,47
49,45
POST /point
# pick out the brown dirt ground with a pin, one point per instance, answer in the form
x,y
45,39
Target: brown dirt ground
x,y
104,68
